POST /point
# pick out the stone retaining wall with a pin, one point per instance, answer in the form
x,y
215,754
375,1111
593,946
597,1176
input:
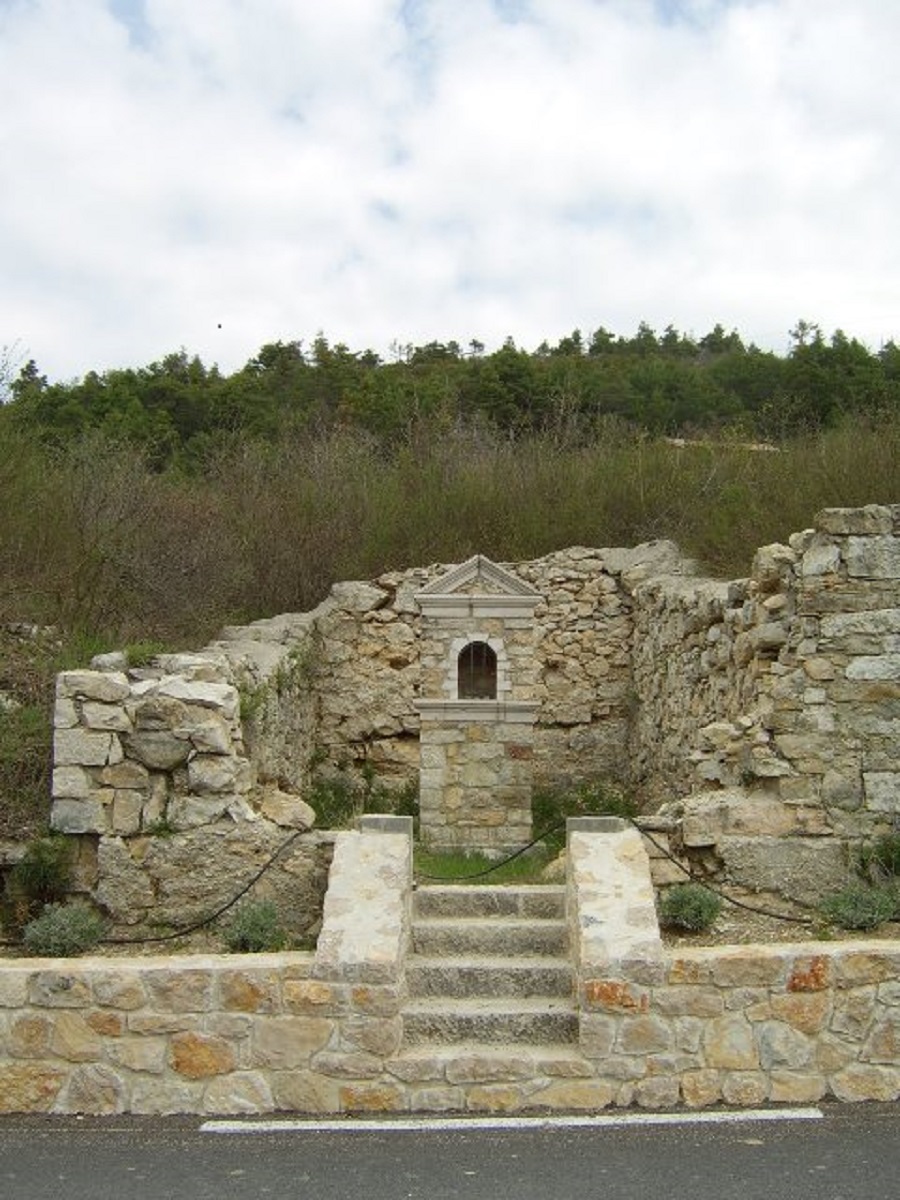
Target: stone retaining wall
x,y
322,1033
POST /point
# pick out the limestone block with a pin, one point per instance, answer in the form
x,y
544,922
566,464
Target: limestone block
x,y
73,783
860,1081
354,596
286,810
286,1043
222,697
873,557
709,816
801,869
128,775
53,988
210,734
218,774
179,989
240,1092
127,808
110,717
74,1040
78,816
305,1091
109,687
95,1089
701,1088
882,791
870,519
771,564
820,558
744,1088
199,1056
65,714
160,750
782,1047
83,747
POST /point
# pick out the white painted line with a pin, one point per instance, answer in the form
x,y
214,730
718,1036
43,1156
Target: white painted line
x,y
468,1124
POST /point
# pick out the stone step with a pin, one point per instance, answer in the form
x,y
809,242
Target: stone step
x,y
488,976
484,1062
541,902
489,1019
483,936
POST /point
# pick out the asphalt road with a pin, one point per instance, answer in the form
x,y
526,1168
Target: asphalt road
x,y
853,1153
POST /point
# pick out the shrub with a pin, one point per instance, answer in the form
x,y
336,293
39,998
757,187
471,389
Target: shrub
x,y
550,807
881,859
689,906
44,873
859,906
63,930
254,928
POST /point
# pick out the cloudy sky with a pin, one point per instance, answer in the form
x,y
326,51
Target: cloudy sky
x,y
218,174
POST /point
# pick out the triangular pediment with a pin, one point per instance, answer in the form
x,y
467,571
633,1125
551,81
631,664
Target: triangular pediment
x,y
478,576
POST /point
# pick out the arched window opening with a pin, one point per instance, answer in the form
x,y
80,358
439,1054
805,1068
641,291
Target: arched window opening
x,y
477,672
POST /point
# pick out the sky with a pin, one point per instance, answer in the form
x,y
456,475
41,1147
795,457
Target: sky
x,y
215,175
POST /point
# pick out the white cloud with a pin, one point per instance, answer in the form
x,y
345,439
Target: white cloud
x,y
435,169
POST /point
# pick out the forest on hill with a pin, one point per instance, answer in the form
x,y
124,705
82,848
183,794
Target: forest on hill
x,y
180,411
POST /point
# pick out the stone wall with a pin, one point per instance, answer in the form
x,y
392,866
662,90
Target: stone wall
x,y
778,693
323,1033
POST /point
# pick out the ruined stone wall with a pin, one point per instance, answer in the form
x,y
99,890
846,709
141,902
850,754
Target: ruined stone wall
x,y
779,692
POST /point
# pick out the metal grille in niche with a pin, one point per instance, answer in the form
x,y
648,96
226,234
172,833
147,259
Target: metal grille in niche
x,y
477,672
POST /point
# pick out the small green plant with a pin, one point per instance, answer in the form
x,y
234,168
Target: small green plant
x,y
63,930
43,875
880,860
255,928
142,654
252,700
689,906
341,796
550,808
161,827
860,906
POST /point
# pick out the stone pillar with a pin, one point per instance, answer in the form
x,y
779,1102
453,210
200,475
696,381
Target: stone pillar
x,y
477,741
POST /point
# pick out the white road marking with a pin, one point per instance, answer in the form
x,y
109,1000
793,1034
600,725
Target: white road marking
x,y
471,1124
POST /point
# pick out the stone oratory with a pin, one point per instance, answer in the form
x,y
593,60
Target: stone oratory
x,y
478,708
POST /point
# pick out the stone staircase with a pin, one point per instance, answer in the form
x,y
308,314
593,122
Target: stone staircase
x,y
490,983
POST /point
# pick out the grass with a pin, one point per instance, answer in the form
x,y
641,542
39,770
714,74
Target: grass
x,y
475,868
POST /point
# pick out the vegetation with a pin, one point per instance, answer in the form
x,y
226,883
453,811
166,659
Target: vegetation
x,y
688,906
551,808
860,906
879,861
341,795
473,867
254,928
64,930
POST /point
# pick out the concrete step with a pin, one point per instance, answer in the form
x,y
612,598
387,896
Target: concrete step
x,y
541,902
507,937
489,976
492,1020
